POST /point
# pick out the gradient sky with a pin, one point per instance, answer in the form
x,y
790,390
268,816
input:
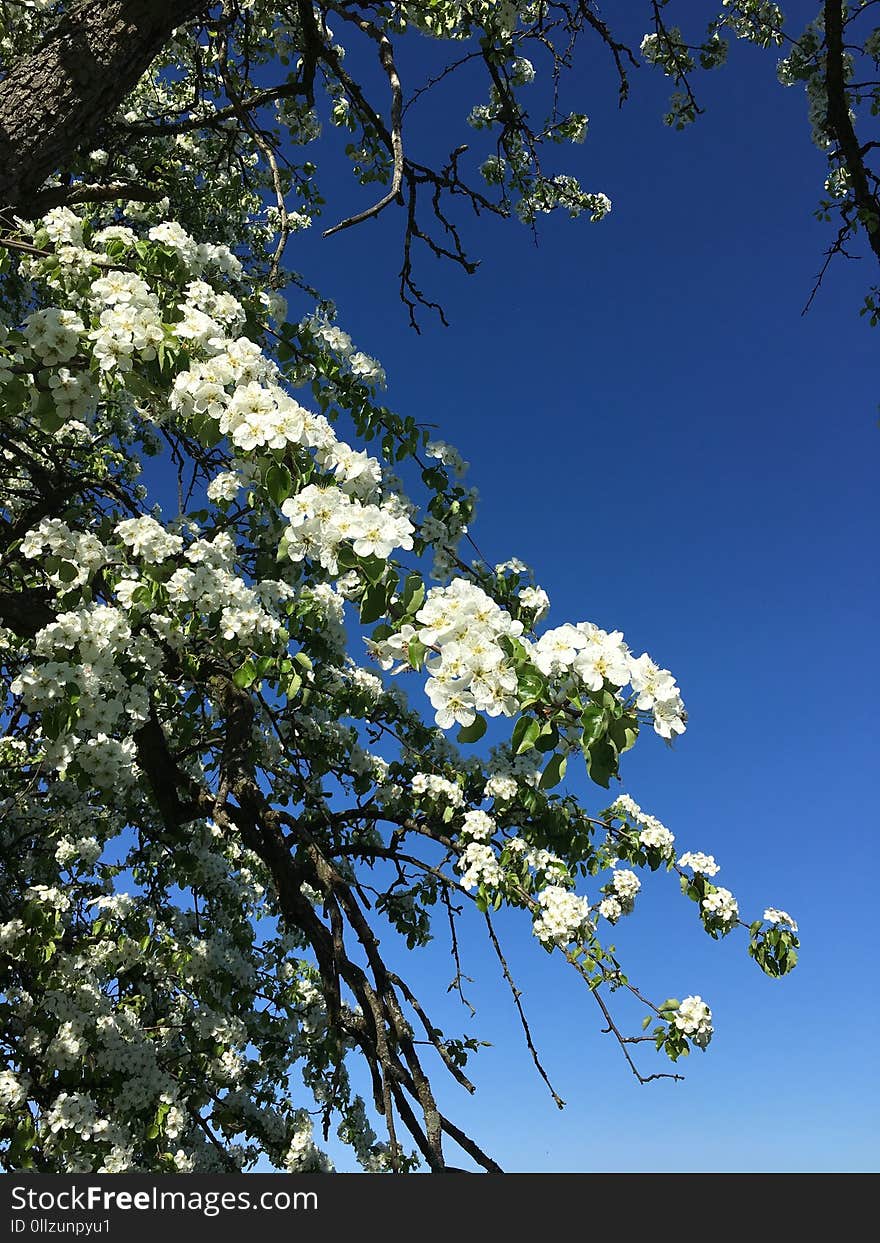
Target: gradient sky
x,y
654,426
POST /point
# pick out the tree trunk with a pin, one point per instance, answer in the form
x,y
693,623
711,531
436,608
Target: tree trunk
x,y
52,101
841,125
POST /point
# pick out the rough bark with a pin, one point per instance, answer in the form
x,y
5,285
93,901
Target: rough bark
x,y
52,101
840,123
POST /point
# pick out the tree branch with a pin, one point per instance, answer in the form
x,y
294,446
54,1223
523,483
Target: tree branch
x,y
841,126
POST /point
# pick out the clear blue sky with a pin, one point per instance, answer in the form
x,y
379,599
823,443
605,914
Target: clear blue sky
x,y
654,427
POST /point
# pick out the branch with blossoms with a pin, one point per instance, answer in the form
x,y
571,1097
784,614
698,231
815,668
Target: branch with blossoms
x,y
220,108
835,59
199,670
215,794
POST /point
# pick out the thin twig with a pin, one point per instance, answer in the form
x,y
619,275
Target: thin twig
x,y
517,994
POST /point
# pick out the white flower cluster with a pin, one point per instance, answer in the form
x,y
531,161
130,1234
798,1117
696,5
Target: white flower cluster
x,y
109,670
196,256
49,895
590,657
650,48
805,62
609,908
626,885
525,769
703,865
549,868
363,682
130,323
501,787
694,1018
547,193
234,383
10,934
775,916
563,917
13,1089
838,183
85,850
54,335
73,1112
652,832
469,670
437,787
536,600
448,455
237,386
73,393
303,1155
479,866
203,309
721,905
148,540
522,71
117,905
63,227
225,486
67,1047
124,1049
493,169
478,825
263,416
212,587
364,369
478,861
81,552
323,518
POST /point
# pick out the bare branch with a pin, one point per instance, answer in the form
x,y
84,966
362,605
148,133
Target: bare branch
x,y
386,57
517,994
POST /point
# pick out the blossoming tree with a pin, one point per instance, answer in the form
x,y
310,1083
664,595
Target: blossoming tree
x,y
207,759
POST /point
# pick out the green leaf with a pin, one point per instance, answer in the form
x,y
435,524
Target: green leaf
x,y
594,722
373,567
623,733
374,603
531,685
473,732
413,594
67,571
554,772
278,482
548,737
47,413
524,734
138,385
601,760
24,1139
346,557
245,675
206,430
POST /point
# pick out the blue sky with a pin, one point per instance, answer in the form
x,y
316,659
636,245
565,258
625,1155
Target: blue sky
x,y
680,454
